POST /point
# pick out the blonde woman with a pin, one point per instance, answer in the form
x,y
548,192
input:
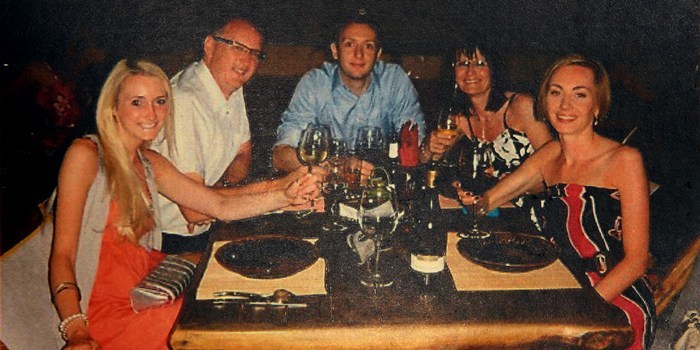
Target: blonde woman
x,y
597,206
106,238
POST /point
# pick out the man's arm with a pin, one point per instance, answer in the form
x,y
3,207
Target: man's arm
x,y
284,158
236,172
406,105
303,108
239,168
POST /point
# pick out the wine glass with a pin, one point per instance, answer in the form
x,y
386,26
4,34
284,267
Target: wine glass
x,y
473,166
313,146
335,185
447,127
379,217
369,144
337,152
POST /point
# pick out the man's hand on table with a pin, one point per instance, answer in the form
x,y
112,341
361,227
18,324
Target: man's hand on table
x,y
304,188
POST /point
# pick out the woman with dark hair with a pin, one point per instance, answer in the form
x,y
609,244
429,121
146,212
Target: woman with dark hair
x,y
498,121
597,199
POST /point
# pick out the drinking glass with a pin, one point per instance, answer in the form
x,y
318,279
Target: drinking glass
x,y
313,146
335,185
473,167
337,152
447,126
379,217
475,232
369,144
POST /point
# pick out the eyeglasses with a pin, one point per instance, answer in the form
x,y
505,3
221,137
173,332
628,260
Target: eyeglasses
x,y
471,63
257,54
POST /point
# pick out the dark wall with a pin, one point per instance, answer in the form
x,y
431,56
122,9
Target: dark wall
x,y
650,48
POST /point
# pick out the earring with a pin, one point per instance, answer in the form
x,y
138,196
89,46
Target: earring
x,y
595,120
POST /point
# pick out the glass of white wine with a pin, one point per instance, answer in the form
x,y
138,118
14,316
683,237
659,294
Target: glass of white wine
x,y
313,146
447,127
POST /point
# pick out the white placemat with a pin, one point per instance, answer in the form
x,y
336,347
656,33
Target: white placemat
x,y
469,276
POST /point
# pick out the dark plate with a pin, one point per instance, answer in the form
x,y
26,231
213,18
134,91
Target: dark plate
x,y
509,251
267,257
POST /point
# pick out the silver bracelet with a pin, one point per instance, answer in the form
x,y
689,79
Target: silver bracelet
x,y
66,285
63,327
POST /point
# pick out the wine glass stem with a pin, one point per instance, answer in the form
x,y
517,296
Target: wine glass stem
x,y
313,202
377,245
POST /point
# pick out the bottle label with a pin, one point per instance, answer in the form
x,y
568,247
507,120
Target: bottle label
x,y
393,150
427,263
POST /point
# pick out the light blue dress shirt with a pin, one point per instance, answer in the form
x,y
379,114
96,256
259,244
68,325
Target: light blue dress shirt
x,y
390,101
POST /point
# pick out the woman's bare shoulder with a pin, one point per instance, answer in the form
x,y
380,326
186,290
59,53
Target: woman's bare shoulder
x,y
82,149
626,156
551,149
80,162
521,111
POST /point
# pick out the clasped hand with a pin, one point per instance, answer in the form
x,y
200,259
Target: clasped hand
x,y
305,187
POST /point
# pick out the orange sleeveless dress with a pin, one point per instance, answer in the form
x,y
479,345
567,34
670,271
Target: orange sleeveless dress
x,y
113,323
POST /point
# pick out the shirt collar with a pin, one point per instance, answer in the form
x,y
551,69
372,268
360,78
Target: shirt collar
x,y
212,88
338,81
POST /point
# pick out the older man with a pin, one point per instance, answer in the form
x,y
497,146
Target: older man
x,y
212,136
356,91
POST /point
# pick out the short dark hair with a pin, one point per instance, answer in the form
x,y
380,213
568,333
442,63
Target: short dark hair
x,y
358,18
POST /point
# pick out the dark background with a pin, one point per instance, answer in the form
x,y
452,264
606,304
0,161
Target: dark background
x,y
649,47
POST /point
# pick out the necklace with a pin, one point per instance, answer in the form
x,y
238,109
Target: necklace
x,y
483,122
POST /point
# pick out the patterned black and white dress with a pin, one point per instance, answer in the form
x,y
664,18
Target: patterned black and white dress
x,y
586,224
508,150
504,155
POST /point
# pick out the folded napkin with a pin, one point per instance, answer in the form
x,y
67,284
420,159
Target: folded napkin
x,y
409,145
217,278
361,245
354,214
469,276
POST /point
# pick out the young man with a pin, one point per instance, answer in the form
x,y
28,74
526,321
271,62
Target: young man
x,y
356,91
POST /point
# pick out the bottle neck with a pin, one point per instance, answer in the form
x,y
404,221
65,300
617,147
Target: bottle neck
x,y
430,178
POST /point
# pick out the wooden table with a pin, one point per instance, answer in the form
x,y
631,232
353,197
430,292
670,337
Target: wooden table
x,y
406,315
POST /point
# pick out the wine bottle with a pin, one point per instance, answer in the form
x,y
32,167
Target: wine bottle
x,y
397,177
428,248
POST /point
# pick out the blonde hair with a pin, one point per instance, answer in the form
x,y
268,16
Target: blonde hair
x,y
135,215
600,77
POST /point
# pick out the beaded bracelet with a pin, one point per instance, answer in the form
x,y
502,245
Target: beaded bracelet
x,y
63,327
66,285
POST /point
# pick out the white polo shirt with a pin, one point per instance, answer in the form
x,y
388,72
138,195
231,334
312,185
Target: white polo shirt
x,y
209,131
